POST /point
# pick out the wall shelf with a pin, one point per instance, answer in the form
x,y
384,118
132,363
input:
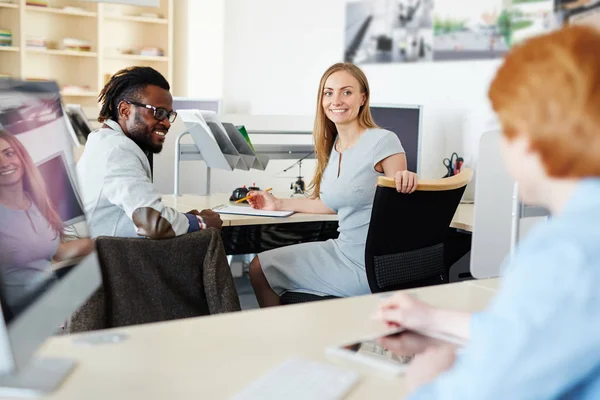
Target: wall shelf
x,y
74,93
10,48
71,53
9,5
137,57
60,11
147,20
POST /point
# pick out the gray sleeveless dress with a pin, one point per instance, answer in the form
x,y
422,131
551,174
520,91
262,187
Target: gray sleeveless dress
x,y
337,267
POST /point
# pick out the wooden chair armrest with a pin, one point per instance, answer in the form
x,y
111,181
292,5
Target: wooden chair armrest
x,y
433,185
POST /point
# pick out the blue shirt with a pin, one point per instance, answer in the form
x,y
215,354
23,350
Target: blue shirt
x,y
540,337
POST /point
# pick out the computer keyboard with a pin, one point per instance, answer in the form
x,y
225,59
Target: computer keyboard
x,y
298,379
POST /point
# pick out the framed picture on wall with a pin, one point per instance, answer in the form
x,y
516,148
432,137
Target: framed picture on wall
x,y
410,31
586,12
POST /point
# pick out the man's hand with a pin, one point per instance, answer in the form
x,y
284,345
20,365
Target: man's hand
x,y
210,218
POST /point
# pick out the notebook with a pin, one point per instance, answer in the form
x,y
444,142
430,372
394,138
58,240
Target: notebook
x,y
240,210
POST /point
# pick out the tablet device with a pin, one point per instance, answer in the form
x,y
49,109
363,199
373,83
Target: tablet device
x,y
370,353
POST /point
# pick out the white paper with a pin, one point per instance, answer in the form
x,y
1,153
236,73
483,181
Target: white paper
x,y
240,210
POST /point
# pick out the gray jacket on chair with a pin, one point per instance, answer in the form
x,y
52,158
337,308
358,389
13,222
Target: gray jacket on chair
x,y
157,280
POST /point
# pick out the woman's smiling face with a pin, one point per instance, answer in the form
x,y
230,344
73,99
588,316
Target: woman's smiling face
x,y
11,167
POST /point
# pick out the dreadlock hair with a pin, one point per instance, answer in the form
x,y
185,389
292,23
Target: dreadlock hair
x,y
127,83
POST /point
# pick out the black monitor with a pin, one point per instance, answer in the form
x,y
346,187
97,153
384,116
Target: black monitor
x,y
79,122
190,103
61,188
404,121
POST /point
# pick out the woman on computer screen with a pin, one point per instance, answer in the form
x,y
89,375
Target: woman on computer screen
x,y
540,336
31,230
352,151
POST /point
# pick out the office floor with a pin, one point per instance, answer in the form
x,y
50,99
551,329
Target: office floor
x,y
246,293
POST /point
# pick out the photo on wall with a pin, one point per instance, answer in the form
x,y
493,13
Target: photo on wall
x,y
585,12
389,31
408,31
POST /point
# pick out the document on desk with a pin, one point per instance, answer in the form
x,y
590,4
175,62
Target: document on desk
x,y
240,210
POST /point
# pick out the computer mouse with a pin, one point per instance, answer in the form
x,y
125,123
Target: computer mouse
x,y
239,193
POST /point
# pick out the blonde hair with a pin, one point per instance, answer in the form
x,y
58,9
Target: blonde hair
x,y
33,184
325,132
549,90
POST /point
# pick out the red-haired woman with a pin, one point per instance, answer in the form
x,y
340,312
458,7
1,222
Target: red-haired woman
x,y
540,337
31,229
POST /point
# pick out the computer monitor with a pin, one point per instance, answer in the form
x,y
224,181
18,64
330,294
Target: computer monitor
x,y
498,214
36,298
79,122
61,188
190,103
404,121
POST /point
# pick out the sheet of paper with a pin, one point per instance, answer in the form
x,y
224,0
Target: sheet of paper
x,y
240,210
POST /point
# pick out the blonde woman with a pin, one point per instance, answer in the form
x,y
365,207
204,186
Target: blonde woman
x,y
352,151
31,229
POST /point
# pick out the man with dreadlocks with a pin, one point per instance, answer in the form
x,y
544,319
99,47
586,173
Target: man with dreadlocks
x,y
114,173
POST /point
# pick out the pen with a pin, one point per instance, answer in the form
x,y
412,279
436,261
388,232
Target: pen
x,y
247,197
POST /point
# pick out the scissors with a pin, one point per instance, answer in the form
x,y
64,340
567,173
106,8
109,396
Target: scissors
x,y
450,164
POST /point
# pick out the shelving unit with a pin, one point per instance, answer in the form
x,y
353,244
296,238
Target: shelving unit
x,y
147,20
58,52
113,31
137,57
55,10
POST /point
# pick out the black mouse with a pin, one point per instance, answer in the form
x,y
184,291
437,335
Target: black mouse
x,y
239,193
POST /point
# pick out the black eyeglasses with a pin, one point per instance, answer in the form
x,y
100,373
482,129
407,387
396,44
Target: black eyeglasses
x,y
160,113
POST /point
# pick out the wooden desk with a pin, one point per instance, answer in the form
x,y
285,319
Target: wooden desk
x,y
463,219
215,357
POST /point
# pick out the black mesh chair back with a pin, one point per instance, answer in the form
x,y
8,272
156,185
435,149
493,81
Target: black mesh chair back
x,y
405,241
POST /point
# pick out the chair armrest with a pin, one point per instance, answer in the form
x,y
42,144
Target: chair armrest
x,y
433,185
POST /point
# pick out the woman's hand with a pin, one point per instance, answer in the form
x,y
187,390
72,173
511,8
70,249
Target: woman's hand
x,y
407,343
74,249
403,310
406,181
425,367
264,201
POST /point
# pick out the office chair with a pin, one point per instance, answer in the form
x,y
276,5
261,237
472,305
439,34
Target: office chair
x,y
405,241
148,280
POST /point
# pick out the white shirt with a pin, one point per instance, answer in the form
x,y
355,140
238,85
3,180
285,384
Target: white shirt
x,y
115,179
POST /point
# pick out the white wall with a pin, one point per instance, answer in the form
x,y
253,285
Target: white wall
x,y
198,73
199,46
265,57
276,51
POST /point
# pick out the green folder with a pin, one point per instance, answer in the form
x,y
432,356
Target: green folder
x,y
242,130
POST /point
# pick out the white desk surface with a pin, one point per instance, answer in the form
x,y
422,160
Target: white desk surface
x,y
463,219
492,284
215,357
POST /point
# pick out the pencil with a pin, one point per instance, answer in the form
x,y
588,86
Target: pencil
x,y
247,197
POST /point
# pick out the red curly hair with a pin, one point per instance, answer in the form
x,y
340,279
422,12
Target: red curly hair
x,y
549,90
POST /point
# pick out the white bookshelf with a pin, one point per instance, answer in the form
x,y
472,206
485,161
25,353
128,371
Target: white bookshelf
x,y
61,11
147,20
115,32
